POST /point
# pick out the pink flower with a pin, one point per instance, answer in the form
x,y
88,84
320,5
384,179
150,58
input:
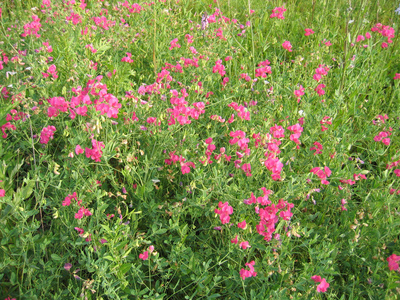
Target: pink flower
x,y
127,58
319,89
67,266
308,31
248,273
224,212
80,230
277,12
235,240
174,44
397,172
244,245
397,76
323,286
392,260
78,150
2,193
360,38
219,67
242,224
144,255
47,134
287,46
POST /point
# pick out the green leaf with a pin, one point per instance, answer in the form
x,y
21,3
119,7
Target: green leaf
x,y
124,268
108,257
55,257
161,231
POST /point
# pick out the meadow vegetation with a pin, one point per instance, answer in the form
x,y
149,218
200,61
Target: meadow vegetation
x,y
199,149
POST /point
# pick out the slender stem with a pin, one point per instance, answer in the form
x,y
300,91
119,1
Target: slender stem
x,y
36,181
155,41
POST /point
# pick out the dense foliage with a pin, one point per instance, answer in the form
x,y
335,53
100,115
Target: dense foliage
x,y
199,149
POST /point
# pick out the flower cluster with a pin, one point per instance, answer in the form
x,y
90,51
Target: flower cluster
x,y
47,134
95,153
322,286
224,212
33,27
286,45
323,174
277,12
174,44
127,58
248,273
393,262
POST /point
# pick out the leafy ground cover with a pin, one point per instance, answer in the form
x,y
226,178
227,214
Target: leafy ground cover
x,y
199,149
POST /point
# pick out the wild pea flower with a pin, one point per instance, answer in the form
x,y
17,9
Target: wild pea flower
x,y
242,224
67,266
67,200
277,12
319,89
127,58
323,174
2,193
393,262
308,31
80,230
297,130
82,212
144,255
219,67
360,38
174,44
49,49
91,48
33,27
78,150
381,119
298,93
95,153
322,70
248,273
189,38
185,167
359,176
277,131
76,19
244,245
224,212
397,76
318,148
52,70
47,134
397,172
323,285
234,240
325,120
344,202
262,72
287,46
383,136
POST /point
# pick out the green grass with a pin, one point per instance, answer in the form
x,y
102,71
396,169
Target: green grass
x,y
158,180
